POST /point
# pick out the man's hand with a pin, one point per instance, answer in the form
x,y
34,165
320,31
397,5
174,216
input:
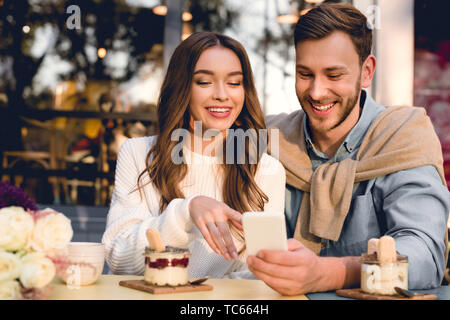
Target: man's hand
x,y
300,271
289,272
211,217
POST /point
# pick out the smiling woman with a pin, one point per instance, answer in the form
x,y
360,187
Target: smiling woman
x,y
209,81
207,74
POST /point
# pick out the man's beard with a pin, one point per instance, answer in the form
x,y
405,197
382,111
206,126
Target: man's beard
x,y
348,107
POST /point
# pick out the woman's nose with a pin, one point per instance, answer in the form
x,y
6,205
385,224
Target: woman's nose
x,y
220,93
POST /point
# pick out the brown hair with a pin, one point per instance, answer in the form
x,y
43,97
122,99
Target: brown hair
x,y
324,19
240,190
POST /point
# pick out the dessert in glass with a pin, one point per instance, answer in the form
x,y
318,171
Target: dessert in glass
x,y
168,267
382,268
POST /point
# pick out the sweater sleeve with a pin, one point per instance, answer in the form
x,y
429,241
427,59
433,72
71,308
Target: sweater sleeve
x,y
271,178
130,215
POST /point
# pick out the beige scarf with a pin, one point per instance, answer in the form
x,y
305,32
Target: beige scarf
x,y
400,138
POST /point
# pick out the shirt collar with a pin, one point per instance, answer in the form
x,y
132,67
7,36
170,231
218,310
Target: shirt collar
x,y
370,111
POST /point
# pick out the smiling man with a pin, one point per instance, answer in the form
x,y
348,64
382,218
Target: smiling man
x,y
355,169
328,86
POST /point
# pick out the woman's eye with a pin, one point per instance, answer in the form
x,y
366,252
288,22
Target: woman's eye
x,y
202,83
236,84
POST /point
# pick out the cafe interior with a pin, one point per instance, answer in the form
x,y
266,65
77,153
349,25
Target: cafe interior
x,y
77,80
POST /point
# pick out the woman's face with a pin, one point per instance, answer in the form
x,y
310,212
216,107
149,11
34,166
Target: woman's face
x,y
217,91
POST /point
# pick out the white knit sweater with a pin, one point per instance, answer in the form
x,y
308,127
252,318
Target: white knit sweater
x,y
129,217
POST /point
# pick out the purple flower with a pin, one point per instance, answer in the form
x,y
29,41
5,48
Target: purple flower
x,y
12,196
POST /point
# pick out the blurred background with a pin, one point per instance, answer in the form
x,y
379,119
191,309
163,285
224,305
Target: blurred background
x,y
78,78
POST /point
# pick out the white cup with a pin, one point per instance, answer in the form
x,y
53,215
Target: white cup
x,y
86,263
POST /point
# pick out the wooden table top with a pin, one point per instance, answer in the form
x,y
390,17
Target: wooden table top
x,y
107,288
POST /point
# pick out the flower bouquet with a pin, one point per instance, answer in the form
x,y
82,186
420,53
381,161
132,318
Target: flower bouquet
x,y
33,245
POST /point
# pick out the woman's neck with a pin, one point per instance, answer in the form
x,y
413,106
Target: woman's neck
x,y
203,146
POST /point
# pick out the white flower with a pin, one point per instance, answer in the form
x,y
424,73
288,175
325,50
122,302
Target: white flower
x,y
51,234
9,266
37,271
15,228
9,290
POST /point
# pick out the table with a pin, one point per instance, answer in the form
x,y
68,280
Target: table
x,y
442,293
107,288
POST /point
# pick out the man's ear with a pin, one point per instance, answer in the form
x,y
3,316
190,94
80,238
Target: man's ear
x,y
368,71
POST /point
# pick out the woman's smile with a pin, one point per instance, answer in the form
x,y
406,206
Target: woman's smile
x,y
220,112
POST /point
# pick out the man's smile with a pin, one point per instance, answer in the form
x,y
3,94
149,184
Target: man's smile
x,y
323,107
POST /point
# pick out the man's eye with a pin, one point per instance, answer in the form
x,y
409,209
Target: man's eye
x,y
334,76
305,75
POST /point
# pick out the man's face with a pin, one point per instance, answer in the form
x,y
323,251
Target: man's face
x,y
328,82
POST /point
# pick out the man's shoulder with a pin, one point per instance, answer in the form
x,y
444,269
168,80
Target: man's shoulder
x,y
284,119
402,111
411,121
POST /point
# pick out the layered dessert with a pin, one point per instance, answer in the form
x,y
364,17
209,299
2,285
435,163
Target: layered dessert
x,y
383,268
168,267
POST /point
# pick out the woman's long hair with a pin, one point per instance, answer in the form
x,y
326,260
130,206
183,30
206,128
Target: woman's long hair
x,y
240,190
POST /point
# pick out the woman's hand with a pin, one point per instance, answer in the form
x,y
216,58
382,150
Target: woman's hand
x,y
211,217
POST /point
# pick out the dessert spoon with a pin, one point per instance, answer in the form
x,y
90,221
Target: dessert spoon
x,y
405,292
196,282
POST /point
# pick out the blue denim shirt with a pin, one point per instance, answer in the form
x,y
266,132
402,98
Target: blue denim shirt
x,y
411,206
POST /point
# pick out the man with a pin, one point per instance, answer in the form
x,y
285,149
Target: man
x,y
407,198
355,170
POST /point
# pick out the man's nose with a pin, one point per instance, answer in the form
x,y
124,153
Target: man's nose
x,y
318,89
220,92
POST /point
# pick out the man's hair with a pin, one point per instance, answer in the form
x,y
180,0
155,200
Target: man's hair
x,y
324,19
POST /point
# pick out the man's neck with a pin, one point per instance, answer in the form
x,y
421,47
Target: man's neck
x,y
329,142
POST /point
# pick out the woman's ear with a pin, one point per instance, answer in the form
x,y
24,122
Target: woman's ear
x,y
368,71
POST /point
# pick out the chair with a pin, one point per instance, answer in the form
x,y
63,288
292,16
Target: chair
x,y
46,159
54,158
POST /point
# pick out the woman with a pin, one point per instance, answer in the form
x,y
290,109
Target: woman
x,y
209,84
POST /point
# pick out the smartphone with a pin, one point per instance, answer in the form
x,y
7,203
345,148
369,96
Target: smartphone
x,y
264,230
